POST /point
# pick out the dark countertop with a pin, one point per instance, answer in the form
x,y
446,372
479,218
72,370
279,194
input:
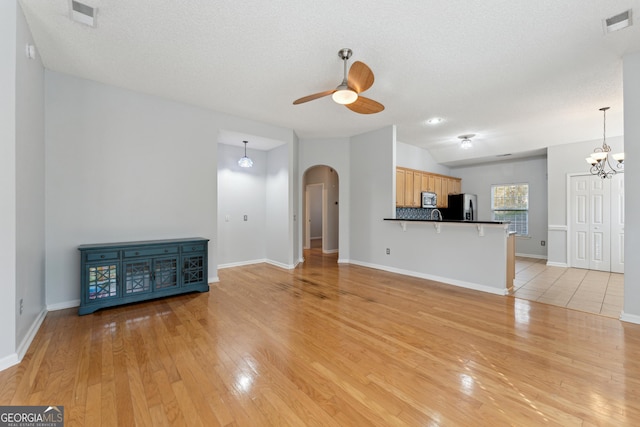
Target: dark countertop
x,y
458,221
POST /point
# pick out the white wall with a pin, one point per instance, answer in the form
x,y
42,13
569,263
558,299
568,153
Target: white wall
x,y
30,184
334,153
479,179
8,39
241,191
563,160
279,239
631,70
410,156
122,166
373,163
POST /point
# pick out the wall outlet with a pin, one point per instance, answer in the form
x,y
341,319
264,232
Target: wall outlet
x,y
388,251
246,218
21,305
543,243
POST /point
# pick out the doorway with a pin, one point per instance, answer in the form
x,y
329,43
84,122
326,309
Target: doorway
x,y
321,209
315,215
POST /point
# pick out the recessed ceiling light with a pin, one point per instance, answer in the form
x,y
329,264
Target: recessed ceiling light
x,y
435,120
618,22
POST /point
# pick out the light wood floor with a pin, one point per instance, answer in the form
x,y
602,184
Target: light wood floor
x,y
592,291
332,345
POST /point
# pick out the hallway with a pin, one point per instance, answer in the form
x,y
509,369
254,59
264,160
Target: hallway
x,y
591,291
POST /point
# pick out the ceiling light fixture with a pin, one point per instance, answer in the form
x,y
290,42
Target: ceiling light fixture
x,y
465,142
344,94
245,162
435,120
599,159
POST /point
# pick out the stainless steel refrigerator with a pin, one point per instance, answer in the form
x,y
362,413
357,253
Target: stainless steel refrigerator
x,y
463,207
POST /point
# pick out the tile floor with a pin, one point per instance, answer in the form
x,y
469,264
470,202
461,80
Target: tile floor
x,y
585,290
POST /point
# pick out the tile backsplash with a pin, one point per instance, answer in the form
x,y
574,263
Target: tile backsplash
x,y
413,213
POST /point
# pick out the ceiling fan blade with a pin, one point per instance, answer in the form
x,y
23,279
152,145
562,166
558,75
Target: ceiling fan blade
x,y
360,77
312,97
365,106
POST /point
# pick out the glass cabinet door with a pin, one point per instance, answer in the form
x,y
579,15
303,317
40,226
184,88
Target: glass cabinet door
x,y
137,276
102,281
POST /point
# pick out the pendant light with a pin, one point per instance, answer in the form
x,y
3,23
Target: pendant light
x,y
600,159
245,162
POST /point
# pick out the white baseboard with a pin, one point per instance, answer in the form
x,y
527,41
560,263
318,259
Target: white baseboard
x,y
63,305
281,265
31,334
631,318
343,261
531,256
241,263
215,279
330,251
557,264
15,358
448,281
257,261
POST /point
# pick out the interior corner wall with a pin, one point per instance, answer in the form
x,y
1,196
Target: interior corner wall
x,y
122,166
241,191
294,196
563,160
8,37
410,156
30,190
631,84
278,237
334,153
478,180
373,162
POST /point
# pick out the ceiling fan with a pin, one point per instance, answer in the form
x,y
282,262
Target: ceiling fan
x,y
360,78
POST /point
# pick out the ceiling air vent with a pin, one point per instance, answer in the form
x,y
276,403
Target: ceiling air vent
x,y
618,22
83,14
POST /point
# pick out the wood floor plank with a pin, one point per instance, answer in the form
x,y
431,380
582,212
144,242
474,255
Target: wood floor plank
x,y
329,344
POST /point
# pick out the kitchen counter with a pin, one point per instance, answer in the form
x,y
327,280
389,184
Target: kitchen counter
x,y
448,220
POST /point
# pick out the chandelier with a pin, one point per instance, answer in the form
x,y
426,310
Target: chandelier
x,y
600,158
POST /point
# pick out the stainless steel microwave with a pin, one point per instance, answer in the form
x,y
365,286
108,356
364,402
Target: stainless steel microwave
x,y
429,199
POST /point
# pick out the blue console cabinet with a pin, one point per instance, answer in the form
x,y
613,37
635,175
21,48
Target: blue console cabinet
x,y
120,273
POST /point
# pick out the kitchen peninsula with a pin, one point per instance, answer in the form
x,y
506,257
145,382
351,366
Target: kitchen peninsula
x,y
477,255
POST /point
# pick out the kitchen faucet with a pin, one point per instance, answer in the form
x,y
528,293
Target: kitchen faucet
x,y
438,217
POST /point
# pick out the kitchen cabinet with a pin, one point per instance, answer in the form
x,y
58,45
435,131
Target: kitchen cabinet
x,y
119,273
400,178
410,183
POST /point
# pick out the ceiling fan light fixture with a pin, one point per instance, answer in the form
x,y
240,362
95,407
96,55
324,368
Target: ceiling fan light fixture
x,y
343,95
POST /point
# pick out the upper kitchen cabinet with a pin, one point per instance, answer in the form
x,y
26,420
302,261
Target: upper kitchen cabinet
x,y
410,183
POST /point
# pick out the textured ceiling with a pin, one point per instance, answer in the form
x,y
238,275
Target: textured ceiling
x,y
520,74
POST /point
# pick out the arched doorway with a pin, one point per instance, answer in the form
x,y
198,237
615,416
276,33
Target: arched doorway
x,y
320,186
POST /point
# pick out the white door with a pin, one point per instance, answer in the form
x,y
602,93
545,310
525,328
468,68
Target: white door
x,y
597,223
579,221
617,223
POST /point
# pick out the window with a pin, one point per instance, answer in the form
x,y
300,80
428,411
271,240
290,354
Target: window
x,y
510,202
